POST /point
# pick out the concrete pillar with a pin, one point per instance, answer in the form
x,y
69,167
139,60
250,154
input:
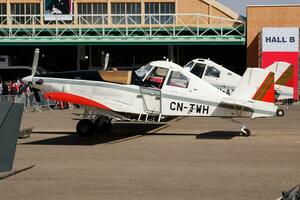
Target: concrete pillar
x,y
171,52
90,56
78,58
177,54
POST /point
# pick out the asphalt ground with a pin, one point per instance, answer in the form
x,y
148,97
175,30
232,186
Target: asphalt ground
x,y
189,158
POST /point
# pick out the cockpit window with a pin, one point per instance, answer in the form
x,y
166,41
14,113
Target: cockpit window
x,y
177,79
198,69
189,65
143,71
212,72
156,77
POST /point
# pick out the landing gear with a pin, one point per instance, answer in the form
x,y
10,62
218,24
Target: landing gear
x,y
85,128
103,124
280,113
100,124
245,131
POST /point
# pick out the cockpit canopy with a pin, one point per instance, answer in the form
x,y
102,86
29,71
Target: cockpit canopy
x,y
201,69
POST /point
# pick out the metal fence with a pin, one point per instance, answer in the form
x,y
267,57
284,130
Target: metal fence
x,y
29,101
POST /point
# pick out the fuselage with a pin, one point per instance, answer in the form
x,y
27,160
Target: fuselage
x,y
161,88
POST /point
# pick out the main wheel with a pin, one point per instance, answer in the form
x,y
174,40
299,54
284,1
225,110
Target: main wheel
x,y
85,128
280,113
246,132
103,124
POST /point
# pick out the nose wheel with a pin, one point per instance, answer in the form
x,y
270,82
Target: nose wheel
x,y
245,131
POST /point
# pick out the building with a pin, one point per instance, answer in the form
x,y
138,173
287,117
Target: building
x,y
279,18
73,34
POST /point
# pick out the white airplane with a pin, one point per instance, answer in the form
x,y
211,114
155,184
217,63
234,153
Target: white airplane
x,y
157,90
227,81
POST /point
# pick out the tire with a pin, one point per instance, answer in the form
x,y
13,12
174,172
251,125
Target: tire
x,y
85,128
246,132
103,124
280,113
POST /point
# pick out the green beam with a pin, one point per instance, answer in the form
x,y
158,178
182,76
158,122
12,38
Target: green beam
x,y
28,42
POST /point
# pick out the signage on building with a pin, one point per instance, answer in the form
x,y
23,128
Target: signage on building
x,y
281,44
58,10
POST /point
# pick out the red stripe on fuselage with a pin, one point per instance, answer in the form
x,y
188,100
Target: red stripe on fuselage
x,y
76,99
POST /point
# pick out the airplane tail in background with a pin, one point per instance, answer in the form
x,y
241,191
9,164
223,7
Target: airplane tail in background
x,y
284,84
256,89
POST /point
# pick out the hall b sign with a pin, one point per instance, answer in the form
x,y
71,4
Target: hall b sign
x,y
281,44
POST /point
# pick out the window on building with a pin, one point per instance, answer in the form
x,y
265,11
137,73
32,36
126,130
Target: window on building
x,y
212,72
25,13
158,13
92,13
3,13
177,79
119,10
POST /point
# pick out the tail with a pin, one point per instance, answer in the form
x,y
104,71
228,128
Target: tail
x,y
10,120
256,89
284,73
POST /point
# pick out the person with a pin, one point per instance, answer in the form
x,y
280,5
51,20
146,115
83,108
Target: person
x,y
5,88
1,89
4,96
58,7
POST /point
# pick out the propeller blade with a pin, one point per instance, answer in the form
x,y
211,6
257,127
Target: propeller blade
x,y
36,95
35,61
106,61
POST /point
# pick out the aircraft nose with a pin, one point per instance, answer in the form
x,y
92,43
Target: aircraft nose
x,y
27,79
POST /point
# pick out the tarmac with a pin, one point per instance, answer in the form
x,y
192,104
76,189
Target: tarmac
x,y
188,158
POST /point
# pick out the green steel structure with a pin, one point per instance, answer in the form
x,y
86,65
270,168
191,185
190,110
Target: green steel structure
x,y
150,29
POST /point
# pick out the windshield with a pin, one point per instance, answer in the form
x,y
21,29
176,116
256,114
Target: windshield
x,y
143,71
198,69
189,65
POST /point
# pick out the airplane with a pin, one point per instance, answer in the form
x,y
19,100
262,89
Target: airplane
x,y
156,91
227,81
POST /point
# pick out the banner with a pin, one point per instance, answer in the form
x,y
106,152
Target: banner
x,y
58,10
282,44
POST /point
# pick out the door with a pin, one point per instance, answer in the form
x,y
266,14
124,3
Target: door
x,y
152,100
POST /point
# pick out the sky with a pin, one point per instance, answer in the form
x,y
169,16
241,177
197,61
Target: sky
x,y
240,5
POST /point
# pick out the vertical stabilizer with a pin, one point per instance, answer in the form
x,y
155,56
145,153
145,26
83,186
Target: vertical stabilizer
x,y
284,79
256,88
256,84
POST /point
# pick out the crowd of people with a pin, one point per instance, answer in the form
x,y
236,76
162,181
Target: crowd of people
x,y
16,87
17,92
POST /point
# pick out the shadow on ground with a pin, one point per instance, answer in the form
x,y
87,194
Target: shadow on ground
x,y
224,135
119,133
125,132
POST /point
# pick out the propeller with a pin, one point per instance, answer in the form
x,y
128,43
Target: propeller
x,y
33,72
35,61
106,61
36,95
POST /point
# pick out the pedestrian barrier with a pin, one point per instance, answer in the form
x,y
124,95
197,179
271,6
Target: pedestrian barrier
x,y
29,101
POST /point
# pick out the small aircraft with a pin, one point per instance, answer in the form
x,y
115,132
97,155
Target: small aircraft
x,y
156,91
226,80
